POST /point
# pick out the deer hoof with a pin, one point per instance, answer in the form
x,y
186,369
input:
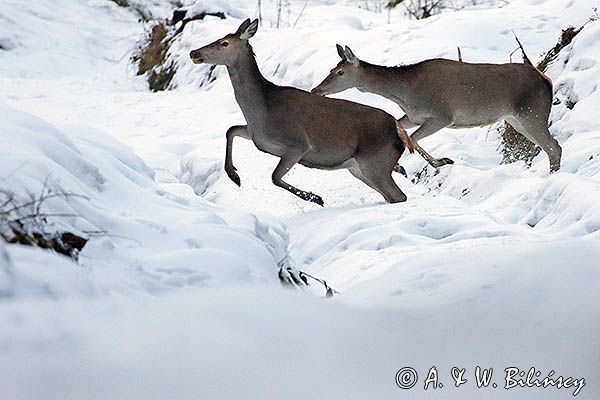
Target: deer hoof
x,y
234,177
291,277
400,169
440,162
315,198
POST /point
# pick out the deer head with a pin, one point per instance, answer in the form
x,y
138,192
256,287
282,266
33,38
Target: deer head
x,y
225,51
344,76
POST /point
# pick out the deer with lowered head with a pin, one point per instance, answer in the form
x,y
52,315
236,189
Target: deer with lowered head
x,y
440,93
299,127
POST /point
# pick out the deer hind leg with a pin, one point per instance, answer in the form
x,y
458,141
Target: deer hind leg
x,y
538,133
430,127
355,171
382,182
236,130
286,162
376,172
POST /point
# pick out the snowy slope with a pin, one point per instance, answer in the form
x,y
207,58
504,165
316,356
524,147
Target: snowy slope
x,y
486,264
142,237
257,343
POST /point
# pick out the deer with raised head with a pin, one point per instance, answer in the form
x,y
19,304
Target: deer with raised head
x,y
299,127
440,93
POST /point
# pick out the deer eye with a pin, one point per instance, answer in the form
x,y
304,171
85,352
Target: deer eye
x,y
340,72
225,44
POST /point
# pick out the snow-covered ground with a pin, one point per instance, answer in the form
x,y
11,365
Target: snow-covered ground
x,y
176,295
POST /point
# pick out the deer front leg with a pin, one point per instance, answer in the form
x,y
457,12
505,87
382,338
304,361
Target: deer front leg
x,y
430,127
237,130
286,162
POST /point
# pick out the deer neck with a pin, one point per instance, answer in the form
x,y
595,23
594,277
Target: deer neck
x,y
393,83
249,86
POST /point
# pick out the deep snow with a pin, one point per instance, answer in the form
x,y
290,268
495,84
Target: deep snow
x,y
486,264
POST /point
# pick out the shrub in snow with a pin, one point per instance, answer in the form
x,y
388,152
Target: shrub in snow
x,y
151,57
152,53
421,9
25,222
149,10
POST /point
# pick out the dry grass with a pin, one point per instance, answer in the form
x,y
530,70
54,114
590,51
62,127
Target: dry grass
x,y
151,57
23,221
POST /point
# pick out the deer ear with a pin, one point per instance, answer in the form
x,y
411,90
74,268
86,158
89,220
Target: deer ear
x,y
350,57
243,27
250,30
340,51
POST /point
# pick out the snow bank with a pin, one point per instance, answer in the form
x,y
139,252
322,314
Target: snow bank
x,y
31,273
257,342
47,44
134,242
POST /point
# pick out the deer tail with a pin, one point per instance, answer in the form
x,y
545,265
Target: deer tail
x,y
526,59
408,142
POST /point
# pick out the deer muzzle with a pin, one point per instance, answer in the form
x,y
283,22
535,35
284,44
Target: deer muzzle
x,y
196,57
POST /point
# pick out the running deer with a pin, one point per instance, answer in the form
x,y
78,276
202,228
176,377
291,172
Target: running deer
x,y
440,93
299,127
